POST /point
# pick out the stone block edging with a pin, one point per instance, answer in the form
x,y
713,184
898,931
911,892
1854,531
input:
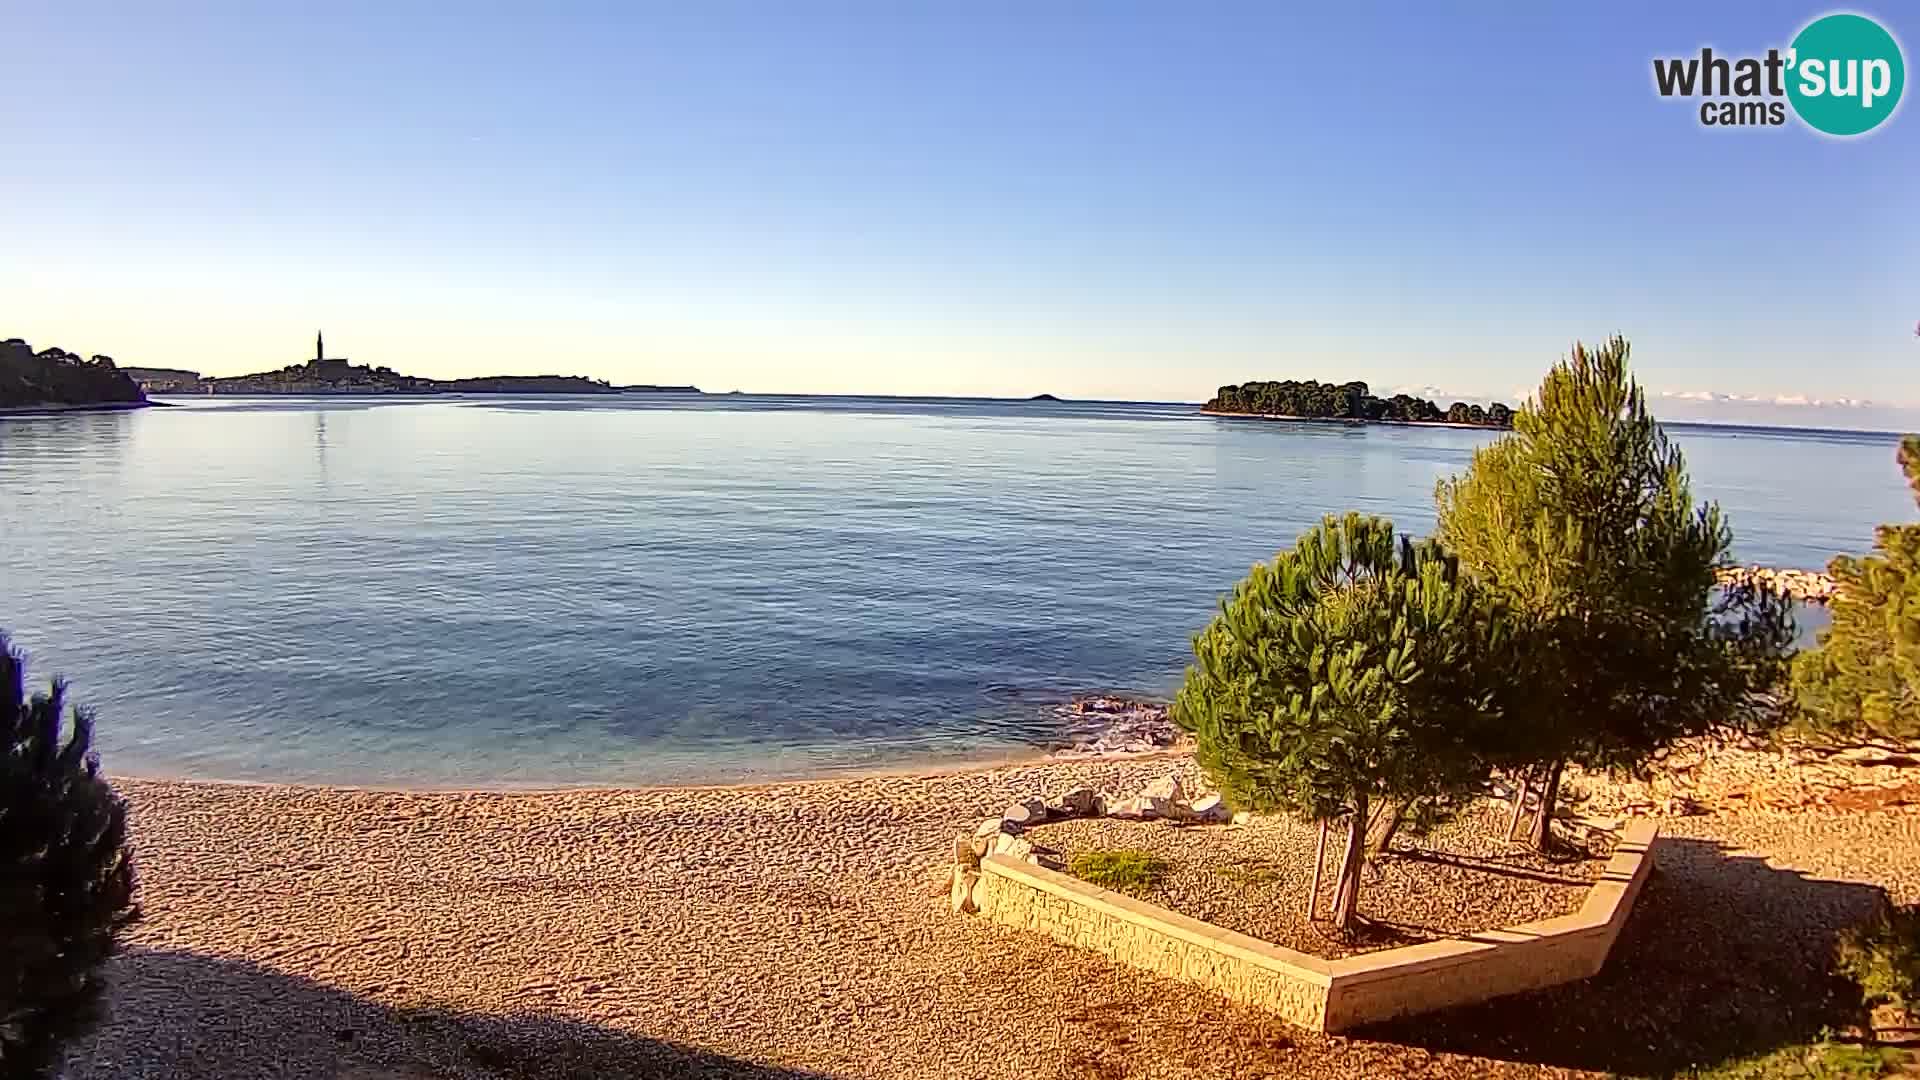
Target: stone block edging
x,y
1319,994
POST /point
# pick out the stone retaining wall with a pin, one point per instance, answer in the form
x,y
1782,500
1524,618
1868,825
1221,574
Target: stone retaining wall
x,y
1025,895
1307,990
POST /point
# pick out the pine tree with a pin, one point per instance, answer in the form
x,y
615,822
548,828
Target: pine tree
x,y
1864,677
1582,522
1339,676
66,875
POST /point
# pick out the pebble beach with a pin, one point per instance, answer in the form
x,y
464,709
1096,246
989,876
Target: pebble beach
x,y
803,930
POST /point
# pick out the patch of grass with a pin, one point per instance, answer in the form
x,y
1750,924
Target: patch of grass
x,y
1824,1060
1249,873
1126,870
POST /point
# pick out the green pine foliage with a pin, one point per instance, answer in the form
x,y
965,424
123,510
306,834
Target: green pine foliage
x,y
66,875
1583,524
1346,664
1882,957
1345,672
1864,678
1827,1059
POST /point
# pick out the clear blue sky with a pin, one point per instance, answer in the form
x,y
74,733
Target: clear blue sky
x,y
1114,200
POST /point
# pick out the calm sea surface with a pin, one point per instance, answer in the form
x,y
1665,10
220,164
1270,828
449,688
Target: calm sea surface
x,y
644,590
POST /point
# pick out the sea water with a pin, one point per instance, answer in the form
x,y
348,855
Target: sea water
x,y
675,589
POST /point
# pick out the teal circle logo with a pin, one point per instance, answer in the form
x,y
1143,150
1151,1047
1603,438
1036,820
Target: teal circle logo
x,y
1844,74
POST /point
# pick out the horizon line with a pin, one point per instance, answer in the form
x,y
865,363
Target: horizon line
x,y
1892,433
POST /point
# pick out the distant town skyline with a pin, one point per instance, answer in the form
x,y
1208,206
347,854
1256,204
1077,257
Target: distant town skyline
x,y
1142,204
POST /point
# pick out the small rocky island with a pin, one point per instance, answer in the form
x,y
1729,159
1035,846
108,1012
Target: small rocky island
x,y
55,380
1350,402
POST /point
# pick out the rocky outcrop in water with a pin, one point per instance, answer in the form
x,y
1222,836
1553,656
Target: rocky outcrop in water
x,y
1101,725
1806,586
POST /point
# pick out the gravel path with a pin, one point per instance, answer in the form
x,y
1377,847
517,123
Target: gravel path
x,y
801,930
1255,878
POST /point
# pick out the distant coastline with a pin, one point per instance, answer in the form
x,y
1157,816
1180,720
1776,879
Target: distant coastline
x,y
249,385
357,380
440,389
325,375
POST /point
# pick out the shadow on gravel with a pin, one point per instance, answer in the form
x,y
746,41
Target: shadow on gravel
x,y
1723,956
1489,866
186,1015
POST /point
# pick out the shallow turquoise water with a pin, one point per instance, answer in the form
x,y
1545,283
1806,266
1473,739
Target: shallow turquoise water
x,y
577,591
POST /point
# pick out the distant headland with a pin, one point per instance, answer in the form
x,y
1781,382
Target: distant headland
x,y
337,375
1350,402
55,380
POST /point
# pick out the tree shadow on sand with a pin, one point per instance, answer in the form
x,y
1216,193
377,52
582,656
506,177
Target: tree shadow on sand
x,y
188,1015
1723,956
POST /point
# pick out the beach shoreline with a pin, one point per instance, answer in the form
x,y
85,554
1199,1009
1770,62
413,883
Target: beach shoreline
x,y
926,770
1090,728
790,929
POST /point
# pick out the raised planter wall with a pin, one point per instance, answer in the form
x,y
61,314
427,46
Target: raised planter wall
x,y
1030,897
1307,990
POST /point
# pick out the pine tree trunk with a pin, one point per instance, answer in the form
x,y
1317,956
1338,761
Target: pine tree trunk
x,y
1543,820
1385,825
1346,896
1319,859
1523,783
